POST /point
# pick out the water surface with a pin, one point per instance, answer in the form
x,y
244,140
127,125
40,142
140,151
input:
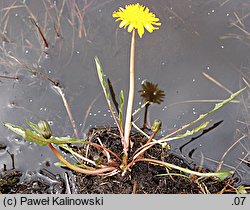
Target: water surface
x,y
195,37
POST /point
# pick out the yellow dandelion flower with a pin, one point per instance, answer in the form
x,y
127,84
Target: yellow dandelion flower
x,y
137,16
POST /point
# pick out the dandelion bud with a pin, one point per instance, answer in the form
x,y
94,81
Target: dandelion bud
x,y
45,130
156,126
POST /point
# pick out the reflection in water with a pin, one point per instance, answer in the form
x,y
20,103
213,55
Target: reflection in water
x,y
196,37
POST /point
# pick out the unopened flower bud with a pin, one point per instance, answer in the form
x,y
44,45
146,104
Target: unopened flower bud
x,y
156,126
45,130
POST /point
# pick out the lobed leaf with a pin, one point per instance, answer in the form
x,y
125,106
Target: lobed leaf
x,y
219,174
65,140
33,126
15,128
241,190
34,136
220,105
195,130
222,174
216,107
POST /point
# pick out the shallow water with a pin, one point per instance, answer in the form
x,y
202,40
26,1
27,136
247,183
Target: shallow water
x,y
188,43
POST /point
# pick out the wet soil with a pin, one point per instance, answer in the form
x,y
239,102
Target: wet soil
x,y
40,182
144,178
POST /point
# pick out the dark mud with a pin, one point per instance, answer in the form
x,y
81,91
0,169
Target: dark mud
x,y
144,178
41,182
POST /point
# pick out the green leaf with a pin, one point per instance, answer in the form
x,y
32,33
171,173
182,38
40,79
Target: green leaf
x,y
113,96
76,155
33,126
201,127
65,140
221,104
181,136
34,137
15,128
101,77
173,174
106,93
121,108
195,130
216,107
59,164
222,174
241,190
219,174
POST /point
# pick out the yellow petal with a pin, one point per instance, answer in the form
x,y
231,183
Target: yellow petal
x,y
149,27
115,14
157,24
130,28
141,31
154,19
123,23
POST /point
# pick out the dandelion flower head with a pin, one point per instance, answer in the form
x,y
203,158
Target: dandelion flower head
x,y
137,16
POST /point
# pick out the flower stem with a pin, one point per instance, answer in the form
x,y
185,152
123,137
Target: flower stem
x,y
130,96
145,124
